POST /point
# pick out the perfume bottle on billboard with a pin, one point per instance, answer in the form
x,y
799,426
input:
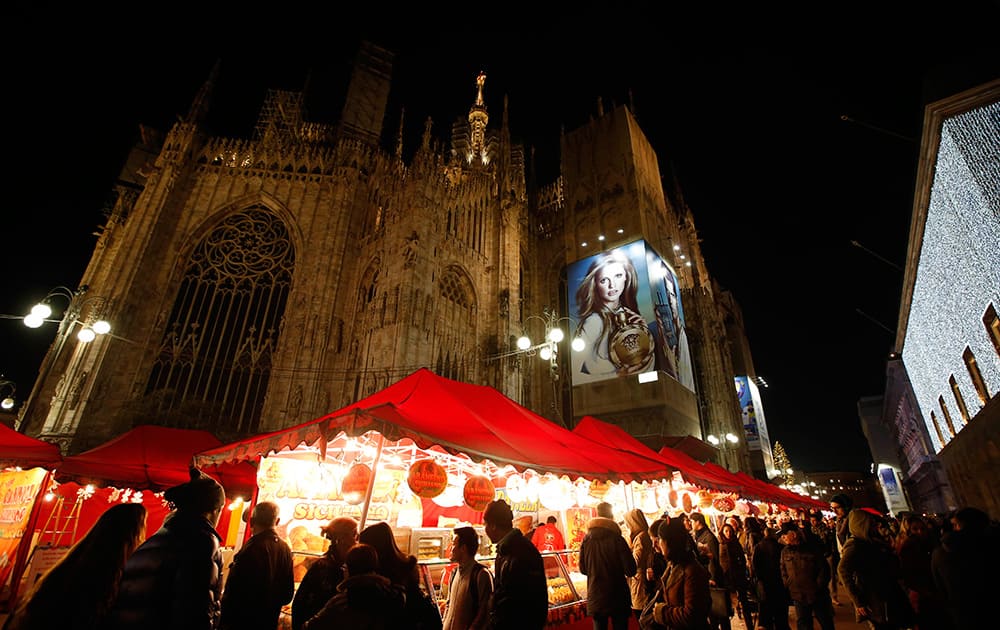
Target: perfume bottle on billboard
x,y
631,344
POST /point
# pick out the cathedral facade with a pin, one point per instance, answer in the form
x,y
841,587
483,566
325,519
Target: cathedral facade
x,y
257,283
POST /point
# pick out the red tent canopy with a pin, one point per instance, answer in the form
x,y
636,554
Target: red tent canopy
x,y
618,438
17,449
475,420
720,479
154,458
774,494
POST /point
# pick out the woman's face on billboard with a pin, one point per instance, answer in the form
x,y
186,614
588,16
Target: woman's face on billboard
x,y
610,282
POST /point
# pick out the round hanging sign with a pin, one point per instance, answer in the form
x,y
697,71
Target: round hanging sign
x,y
478,492
354,488
427,478
724,504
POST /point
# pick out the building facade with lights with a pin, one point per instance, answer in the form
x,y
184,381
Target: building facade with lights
x,y
948,337
256,283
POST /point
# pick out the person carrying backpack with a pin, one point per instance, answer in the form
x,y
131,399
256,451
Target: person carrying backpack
x,y
471,585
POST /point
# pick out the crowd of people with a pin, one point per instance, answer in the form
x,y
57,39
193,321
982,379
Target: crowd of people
x,y
904,572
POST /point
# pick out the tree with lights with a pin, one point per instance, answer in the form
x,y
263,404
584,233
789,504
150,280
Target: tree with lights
x,y
781,462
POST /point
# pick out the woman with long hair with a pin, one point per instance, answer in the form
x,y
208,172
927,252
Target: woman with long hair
x,y
77,592
606,295
684,599
401,569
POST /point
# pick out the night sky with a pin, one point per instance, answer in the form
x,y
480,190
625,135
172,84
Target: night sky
x,y
743,107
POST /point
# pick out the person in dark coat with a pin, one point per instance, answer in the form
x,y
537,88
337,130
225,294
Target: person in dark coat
x,y
806,575
772,597
607,561
174,579
733,560
684,599
841,504
965,569
260,578
325,574
869,571
520,598
364,600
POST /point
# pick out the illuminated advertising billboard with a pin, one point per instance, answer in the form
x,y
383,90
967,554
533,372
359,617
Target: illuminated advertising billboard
x,y
754,426
625,304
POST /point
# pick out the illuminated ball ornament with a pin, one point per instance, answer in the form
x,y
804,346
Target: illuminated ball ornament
x,y
478,492
704,499
427,478
724,504
354,488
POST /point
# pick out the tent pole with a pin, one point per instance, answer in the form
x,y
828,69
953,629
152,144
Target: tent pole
x,y
371,481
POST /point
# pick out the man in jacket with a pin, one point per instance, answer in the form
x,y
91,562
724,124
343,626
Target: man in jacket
x,y
841,505
520,592
707,548
805,574
260,578
607,561
326,573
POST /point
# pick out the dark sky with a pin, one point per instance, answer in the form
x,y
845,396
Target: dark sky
x,y
743,105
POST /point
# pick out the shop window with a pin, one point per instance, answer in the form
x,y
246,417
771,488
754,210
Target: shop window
x,y
982,392
947,417
963,411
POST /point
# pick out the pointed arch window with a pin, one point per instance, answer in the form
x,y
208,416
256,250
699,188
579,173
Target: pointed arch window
x,y
455,321
214,362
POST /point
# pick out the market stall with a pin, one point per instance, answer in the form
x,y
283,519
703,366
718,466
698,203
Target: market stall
x,y
429,453
134,467
26,465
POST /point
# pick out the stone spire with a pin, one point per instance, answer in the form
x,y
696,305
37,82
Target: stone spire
x,y
478,118
203,99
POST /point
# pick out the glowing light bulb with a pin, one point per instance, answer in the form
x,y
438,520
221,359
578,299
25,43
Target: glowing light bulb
x,y
523,343
86,335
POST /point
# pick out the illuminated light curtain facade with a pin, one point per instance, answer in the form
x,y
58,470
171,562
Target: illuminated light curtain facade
x,y
214,361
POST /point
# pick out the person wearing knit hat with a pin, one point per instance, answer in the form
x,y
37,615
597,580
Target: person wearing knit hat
x,y
174,579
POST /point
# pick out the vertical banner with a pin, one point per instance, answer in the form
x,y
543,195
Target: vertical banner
x,y
18,492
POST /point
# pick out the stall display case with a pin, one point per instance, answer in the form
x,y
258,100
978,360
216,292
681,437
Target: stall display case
x,y
566,585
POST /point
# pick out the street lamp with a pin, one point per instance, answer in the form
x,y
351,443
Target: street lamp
x,y
722,443
8,401
548,349
728,442
80,309
41,312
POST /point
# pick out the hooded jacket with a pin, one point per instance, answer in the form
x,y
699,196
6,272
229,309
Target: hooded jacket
x,y
607,561
869,571
642,552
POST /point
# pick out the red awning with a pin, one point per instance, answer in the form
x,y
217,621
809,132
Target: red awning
x,y
773,494
474,420
154,458
17,449
618,438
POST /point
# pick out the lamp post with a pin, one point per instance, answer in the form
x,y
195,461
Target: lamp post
x,y
547,349
728,442
80,309
8,401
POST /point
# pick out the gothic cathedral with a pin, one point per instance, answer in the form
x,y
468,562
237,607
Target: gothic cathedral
x,y
257,283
